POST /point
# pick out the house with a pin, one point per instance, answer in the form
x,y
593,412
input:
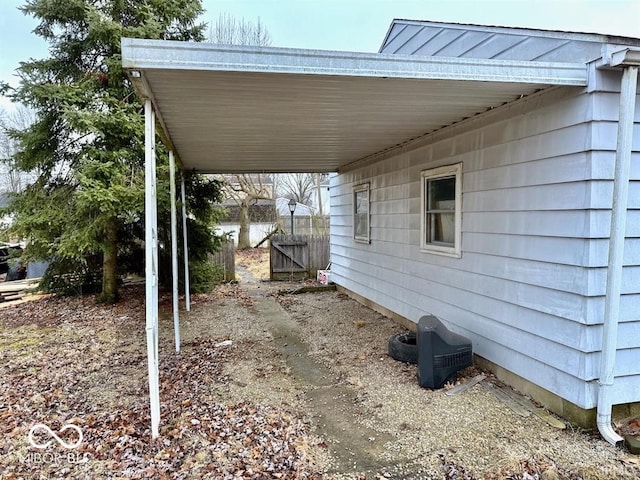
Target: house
x,y
499,223
320,199
263,218
248,201
482,176
306,218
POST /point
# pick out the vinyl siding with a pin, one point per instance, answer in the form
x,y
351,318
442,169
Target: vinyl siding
x,y
529,287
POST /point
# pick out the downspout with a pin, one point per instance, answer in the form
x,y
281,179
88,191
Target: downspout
x,y
628,93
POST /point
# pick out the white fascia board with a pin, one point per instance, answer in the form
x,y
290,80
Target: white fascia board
x,y
142,54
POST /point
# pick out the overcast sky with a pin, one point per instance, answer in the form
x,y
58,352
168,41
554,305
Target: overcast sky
x,y
358,25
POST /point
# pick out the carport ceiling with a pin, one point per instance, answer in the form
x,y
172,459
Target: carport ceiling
x,y
225,109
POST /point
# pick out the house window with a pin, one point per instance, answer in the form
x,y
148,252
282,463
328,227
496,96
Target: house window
x,y
442,210
361,213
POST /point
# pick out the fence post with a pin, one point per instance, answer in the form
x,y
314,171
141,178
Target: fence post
x,y
226,258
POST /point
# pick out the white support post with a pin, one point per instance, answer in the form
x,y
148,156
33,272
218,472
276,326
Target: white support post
x,y
151,264
174,249
187,293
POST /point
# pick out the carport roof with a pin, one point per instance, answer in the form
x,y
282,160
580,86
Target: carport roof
x,y
232,109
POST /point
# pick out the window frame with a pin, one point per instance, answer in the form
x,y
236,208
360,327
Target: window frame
x,y
426,176
358,189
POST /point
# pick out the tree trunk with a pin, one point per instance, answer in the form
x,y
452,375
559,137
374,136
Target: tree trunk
x,y
244,239
110,263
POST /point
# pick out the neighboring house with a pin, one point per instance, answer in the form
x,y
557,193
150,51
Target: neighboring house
x,y
499,224
262,215
254,194
325,196
302,210
238,187
307,220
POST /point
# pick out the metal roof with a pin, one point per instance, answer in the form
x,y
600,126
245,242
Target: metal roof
x,y
417,37
232,109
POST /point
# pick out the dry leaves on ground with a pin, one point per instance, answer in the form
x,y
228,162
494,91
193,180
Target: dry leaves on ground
x,y
74,361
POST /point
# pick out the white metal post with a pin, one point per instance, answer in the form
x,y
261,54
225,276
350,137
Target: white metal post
x,y
187,293
151,263
174,249
622,170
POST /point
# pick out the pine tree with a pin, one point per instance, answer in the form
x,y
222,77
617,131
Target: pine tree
x,y
86,146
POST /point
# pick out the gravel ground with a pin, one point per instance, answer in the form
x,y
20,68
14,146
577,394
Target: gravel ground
x,y
428,434
247,411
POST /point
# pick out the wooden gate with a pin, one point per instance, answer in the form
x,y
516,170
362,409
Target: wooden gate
x,y
295,257
289,257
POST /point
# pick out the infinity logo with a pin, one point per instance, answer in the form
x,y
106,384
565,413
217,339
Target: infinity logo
x,y
42,426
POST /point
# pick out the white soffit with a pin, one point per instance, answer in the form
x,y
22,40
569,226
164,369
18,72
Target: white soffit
x,y
226,109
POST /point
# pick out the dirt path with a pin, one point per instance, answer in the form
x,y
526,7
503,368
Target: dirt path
x,y
332,405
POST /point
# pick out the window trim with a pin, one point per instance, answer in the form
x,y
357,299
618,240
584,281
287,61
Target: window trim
x,y
431,174
364,187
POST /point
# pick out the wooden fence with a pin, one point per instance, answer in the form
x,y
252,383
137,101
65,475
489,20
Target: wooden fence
x,y
314,225
226,259
298,256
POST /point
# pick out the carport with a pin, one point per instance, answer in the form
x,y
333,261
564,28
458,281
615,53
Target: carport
x,y
230,109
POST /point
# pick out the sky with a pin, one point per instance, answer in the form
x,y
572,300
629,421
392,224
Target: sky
x,y
356,25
